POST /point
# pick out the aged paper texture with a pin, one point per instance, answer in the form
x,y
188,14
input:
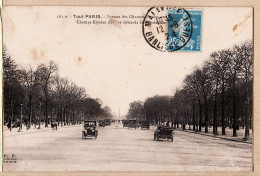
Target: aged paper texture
x,y
157,90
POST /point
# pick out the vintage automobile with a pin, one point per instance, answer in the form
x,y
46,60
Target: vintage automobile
x,y
138,123
164,133
125,123
107,122
90,129
132,124
145,124
101,123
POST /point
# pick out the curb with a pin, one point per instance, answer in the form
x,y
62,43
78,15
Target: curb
x,y
224,138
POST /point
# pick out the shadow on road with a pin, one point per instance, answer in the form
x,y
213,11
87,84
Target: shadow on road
x,y
160,140
88,138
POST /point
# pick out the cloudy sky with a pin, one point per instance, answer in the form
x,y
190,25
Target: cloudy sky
x,y
114,62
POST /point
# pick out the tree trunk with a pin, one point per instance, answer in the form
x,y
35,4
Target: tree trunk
x,y
177,120
215,124
62,117
58,116
35,115
223,109
193,115
39,118
52,114
65,116
234,108
30,117
200,115
206,115
46,113
12,115
30,111
246,110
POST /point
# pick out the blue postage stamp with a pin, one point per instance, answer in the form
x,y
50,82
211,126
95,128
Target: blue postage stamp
x,y
184,30
169,29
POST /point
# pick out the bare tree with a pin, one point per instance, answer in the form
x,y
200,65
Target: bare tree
x,y
30,83
46,79
191,83
246,55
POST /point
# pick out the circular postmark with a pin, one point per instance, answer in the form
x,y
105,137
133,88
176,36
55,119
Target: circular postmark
x,y
167,28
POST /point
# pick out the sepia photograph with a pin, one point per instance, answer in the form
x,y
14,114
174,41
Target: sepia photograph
x,y
127,88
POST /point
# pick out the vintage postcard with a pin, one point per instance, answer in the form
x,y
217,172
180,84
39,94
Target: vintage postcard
x,y
127,88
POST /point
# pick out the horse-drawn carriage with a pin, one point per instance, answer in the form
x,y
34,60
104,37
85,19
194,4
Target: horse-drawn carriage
x,y
164,133
90,129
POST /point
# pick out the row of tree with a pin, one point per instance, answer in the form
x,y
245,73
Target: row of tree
x,y
219,93
41,95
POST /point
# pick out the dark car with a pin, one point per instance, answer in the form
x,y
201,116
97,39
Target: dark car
x,y
101,123
107,122
125,123
90,129
145,124
164,133
132,124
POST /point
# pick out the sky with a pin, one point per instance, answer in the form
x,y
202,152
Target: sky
x,y
113,62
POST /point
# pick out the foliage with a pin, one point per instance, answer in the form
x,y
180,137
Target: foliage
x,y
219,93
41,92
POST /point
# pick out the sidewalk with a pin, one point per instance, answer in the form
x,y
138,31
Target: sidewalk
x,y
228,136
14,132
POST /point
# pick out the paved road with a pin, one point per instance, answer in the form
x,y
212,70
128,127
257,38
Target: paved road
x,y
121,149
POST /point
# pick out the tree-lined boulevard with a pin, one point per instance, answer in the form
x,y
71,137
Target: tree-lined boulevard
x,y
36,95
122,149
215,98
218,94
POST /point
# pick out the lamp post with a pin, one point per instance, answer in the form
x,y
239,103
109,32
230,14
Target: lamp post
x,y
21,118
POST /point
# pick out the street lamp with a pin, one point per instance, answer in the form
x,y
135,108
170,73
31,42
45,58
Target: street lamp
x,y
21,118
